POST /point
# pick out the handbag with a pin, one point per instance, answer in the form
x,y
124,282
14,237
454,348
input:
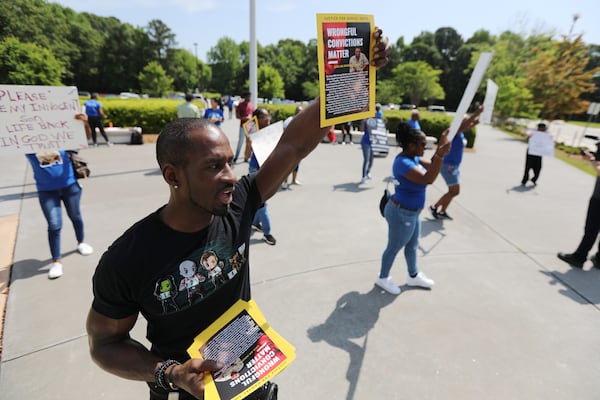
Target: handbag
x,y
383,201
80,166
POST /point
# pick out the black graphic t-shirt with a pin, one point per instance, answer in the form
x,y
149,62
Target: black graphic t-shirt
x,y
180,282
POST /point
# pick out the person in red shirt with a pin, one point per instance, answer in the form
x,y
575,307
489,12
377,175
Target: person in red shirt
x,y
243,112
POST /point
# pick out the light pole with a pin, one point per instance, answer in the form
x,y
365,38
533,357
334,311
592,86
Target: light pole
x,y
196,54
575,18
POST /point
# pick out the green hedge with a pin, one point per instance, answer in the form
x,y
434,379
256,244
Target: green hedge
x,y
149,114
153,114
433,124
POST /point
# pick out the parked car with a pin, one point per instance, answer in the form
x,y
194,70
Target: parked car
x,y
408,106
129,95
435,108
83,93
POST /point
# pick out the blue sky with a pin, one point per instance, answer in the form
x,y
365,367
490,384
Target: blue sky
x,y
206,21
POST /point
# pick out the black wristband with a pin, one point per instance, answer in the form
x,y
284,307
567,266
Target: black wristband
x,y
161,379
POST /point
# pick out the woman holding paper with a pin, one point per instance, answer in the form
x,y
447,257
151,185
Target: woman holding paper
x,y
412,174
533,162
55,181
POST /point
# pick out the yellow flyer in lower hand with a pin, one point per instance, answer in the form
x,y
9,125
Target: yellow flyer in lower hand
x,y
251,351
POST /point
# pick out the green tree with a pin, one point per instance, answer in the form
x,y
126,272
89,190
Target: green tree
x,y
154,80
514,99
28,64
289,58
183,69
161,38
310,90
125,52
388,92
419,81
224,61
557,78
270,84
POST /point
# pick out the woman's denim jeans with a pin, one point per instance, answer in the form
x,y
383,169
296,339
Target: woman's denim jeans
x,y
50,202
404,229
240,143
262,217
367,159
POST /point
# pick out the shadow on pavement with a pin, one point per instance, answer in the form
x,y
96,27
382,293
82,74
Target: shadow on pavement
x,y
575,282
353,187
355,314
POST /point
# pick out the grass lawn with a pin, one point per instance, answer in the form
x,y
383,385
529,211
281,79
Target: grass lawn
x,y
583,123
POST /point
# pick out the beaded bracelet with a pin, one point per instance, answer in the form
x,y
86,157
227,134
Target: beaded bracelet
x,y
160,378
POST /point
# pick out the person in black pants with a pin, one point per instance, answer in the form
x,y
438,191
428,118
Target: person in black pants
x,y
533,162
592,227
95,114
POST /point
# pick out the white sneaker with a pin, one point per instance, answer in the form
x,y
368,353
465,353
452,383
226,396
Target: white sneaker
x,y
369,176
85,249
420,280
110,144
363,181
55,270
387,285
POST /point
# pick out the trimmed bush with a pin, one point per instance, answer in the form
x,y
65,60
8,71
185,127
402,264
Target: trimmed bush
x,y
149,114
153,114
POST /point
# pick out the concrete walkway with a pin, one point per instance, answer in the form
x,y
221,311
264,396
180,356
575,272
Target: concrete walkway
x,y
506,319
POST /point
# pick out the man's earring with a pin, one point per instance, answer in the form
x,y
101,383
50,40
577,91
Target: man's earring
x,y
176,186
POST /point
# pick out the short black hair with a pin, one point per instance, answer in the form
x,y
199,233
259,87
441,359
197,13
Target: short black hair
x,y
174,143
406,135
189,97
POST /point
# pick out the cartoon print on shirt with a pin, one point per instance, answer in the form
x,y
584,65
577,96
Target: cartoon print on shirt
x,y
199,274
211,263
237,261
165,291
191,280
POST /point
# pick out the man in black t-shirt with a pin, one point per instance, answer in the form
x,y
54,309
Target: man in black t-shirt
x,y
184,265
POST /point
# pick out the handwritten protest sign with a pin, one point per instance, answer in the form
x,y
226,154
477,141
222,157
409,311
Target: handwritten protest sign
x,y
39,118
346,76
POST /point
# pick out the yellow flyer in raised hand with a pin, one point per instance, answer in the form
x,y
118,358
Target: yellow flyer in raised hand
x,y
346,76
251,351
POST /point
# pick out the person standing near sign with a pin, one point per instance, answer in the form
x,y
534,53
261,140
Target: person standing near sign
x,y
367,150
95,114
55,182
533,162
243,112
592,222
262,219
402,212
451,172
214,114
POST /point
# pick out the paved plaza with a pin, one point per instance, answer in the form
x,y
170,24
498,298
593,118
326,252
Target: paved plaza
x,y
506,319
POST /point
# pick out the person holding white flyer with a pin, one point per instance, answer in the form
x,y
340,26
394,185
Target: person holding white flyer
x,y
540,144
